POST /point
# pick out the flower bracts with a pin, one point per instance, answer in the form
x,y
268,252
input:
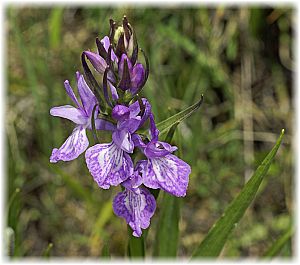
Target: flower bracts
x,y
123,76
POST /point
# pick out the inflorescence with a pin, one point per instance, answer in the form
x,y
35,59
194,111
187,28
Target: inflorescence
x,y
114,105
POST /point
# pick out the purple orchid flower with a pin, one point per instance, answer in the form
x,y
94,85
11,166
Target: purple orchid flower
x,y
163,170
135,204
136,207
110,164
81,115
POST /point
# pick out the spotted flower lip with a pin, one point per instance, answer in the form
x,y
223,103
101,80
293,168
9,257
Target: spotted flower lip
x,y
168,173
81,115
108,164
136,207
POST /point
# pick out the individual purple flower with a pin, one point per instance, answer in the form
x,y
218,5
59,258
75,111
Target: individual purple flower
x,y
132,76
135,204
81,115
110,164
163,170
130,119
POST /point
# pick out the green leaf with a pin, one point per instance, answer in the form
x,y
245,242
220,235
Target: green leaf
x,y
55,22
279,243
165,126
105,213
136,245
167,232
216,238
74,185
105,251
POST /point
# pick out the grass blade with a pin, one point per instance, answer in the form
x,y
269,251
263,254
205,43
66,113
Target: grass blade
x,y
105,253
165,125
167,230
279,243
216,238
136,245
55,22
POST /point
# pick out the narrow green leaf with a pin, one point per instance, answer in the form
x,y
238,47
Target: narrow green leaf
x,y
167,232
165,125
279,243
216,238
104,216
105,251
55,22
12,198
136,245
73,185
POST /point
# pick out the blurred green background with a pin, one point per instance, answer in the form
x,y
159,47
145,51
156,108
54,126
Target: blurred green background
x,y
241,59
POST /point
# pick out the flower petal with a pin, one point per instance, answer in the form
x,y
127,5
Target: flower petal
x,y
122,138
137,78
75,145
134,109
108,164
130,125
138,142
114,93
88,99
133,182
158,149
70,113
136,208
168,173
120,112
105,41
104,125
121,64
154,132
97,61
71,94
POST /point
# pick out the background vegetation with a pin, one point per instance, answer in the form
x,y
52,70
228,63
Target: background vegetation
x,y
241,59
